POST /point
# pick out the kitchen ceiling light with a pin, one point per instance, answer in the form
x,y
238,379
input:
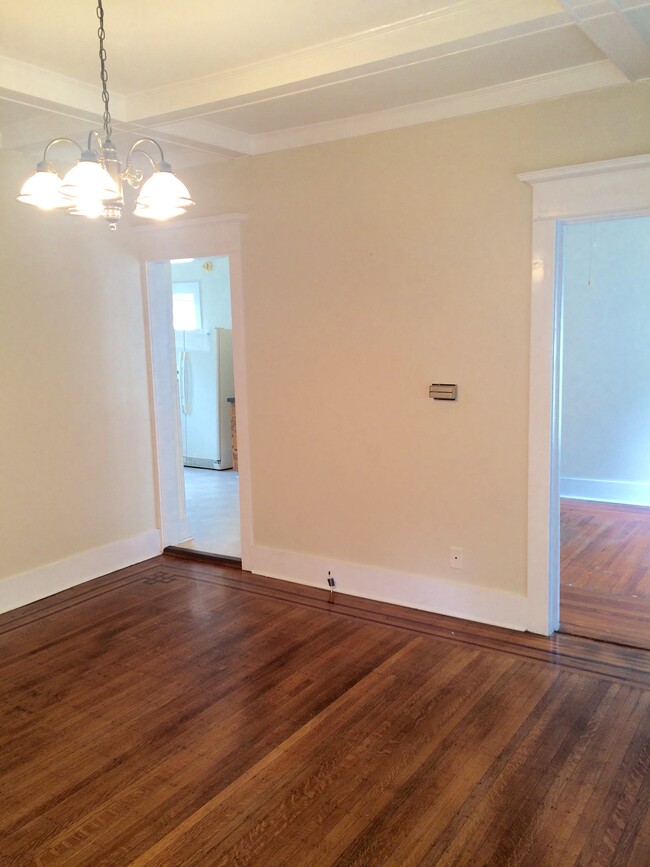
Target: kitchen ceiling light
x,y
94,186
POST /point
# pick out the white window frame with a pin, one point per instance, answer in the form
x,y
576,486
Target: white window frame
x,y
193,288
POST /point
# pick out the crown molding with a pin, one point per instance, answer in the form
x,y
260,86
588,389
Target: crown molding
x,y
224,140
177,114
178,110
465,24
583,170
42,88
216,141
461,25
550,85
36,131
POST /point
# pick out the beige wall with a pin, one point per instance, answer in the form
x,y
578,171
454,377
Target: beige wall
x,y
75,442
373,267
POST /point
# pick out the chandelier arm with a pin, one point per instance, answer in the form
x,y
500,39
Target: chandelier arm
x,y
136,145
132,176
56,141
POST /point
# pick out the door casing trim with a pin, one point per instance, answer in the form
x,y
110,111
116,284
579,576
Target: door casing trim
x,y
586,192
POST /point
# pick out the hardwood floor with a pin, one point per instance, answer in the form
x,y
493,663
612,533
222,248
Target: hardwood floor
x,y
605,571
186,714
606,547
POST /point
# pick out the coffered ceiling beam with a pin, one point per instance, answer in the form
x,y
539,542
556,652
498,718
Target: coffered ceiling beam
x,y
613,27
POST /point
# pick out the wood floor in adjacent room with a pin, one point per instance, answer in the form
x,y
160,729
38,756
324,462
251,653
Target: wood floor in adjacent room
x,y
605,571
178,713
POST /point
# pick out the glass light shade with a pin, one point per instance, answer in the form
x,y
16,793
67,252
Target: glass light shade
x,y
43,190
93,187
89,181
157,213
163,192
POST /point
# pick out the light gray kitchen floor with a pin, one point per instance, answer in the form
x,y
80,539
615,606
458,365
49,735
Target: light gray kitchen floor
x,y
212,501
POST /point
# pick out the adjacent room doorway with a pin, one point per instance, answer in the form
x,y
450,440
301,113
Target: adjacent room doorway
x,y
604,430
611,190
202,324
194,311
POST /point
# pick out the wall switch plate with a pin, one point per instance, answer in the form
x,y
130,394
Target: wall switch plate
x,y
443,391
456,558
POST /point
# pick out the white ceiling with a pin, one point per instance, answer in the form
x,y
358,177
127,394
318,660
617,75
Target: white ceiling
x,y
216,81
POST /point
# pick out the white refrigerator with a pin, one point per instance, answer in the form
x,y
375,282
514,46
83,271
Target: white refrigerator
x,y
205,382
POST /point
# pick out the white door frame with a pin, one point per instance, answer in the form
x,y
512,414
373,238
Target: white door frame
x,y
609,189
210,236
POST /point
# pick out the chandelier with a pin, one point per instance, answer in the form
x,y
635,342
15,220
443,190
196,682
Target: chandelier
x,y
94,186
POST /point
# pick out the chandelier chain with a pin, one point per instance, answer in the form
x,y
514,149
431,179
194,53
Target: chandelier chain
x,y
101,33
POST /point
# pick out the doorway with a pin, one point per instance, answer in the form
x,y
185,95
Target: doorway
x,y
202,323
611,189
159,247
604,430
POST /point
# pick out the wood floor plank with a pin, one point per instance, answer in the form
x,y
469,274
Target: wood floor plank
x,y
441,780
605,546
606,617
601,659
160,730
491,818
568,794
183,714
605,571
323,772
637,829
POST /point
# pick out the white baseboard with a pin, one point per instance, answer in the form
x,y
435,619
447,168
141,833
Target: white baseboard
x,y
38,583
606,491
437,595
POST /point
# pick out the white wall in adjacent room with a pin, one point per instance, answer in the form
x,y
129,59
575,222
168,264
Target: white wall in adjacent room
x,y
605,440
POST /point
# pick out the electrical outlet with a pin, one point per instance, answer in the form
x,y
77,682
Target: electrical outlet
x,y
456,558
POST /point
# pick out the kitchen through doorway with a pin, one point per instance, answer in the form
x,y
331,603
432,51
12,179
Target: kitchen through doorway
x,y
206,401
